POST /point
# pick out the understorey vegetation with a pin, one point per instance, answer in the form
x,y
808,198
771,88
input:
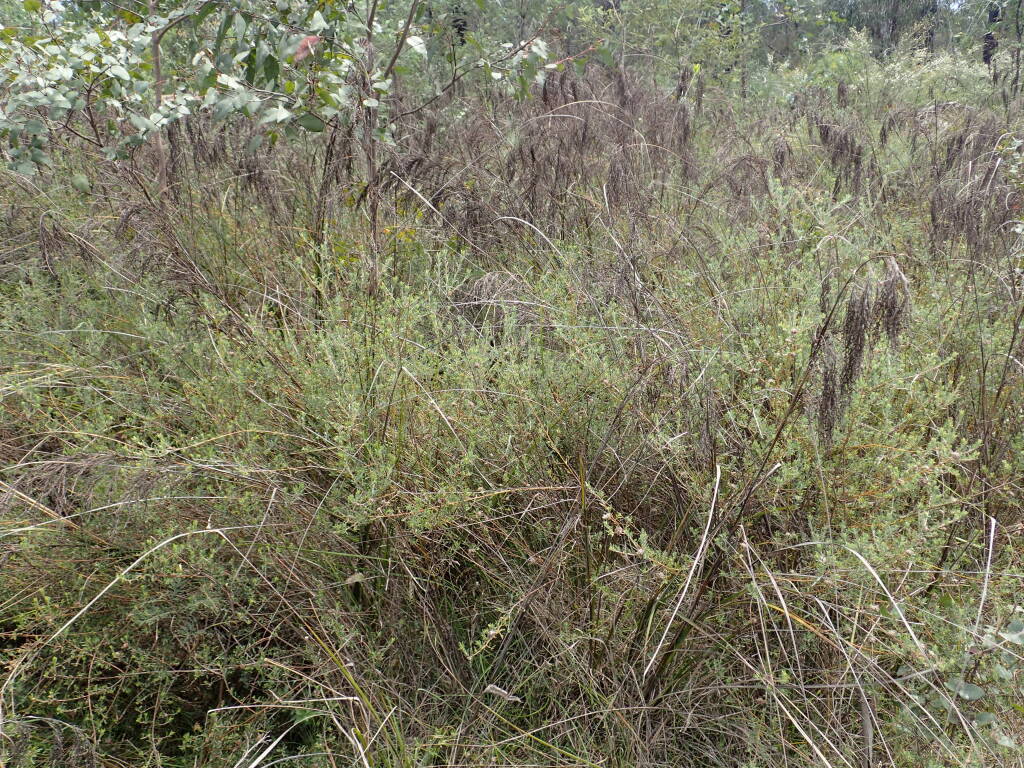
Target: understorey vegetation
x,y
583,384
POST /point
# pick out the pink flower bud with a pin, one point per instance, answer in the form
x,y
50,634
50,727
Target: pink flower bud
x,y
307,46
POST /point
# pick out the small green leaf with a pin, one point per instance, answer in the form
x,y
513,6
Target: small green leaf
x,y
276,114
204,11
984,718
604,55
971,692
81,182
271,68
311,122
227,80
32,5
318,22
222,108
416,43
1003,740
140,123
1014,632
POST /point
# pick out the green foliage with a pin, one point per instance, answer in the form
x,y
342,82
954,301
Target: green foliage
x,y
299,67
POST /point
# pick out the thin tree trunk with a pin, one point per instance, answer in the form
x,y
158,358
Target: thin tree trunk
x,y
742,29
158,93
369,147
1019,29
319,229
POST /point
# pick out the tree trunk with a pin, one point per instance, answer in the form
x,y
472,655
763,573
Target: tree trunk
x,y
158,94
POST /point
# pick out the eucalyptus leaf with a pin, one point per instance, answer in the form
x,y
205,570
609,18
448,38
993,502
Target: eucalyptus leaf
x,y
275,114
319,23
416,43
311,122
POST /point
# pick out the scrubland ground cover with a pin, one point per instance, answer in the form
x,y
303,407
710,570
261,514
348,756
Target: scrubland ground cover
x,y
620,423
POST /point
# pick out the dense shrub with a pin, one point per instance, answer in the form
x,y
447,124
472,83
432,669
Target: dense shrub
x,y
655,432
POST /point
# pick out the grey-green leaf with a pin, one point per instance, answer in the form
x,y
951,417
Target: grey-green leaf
x,y
971,692
1003,740
1014,632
